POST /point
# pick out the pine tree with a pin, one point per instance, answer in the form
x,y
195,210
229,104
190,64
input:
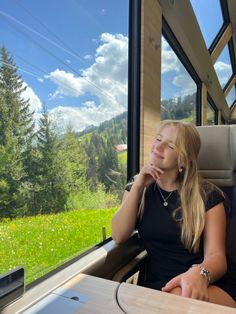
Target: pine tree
x,y
108,165
71,159
52,194
16,129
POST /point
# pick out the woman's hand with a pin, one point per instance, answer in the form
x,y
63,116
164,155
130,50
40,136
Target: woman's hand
x,y
147,175
192,285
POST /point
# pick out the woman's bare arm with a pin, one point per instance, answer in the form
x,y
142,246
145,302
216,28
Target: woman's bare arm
x,y
124,220
214,242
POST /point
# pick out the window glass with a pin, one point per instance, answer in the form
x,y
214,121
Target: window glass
x,y
210,114
210,19
223,67
63,132
178,89
231,97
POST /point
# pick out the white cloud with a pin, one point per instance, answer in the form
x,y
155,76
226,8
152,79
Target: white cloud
x,y
106,79
34,101
169,60
68,84
223,71
78,118
88,57
41,80
185,82
175,79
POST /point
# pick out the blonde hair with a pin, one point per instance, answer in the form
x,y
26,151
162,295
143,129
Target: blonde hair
x,y
189,184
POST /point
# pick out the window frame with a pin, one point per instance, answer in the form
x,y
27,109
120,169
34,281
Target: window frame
x,y
134,73
178,50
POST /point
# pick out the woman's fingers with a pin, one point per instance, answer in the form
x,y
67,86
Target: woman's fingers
x,y
156,172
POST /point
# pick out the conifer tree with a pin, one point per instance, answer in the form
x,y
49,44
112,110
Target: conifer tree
x,y
108,165
52,195
16,129
71,159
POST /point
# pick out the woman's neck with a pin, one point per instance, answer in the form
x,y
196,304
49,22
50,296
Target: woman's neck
x,y
168,181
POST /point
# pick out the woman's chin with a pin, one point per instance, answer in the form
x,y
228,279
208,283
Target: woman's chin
x,y
155,162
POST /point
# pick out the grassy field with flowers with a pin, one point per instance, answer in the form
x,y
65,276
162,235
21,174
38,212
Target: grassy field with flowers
x,y
43,242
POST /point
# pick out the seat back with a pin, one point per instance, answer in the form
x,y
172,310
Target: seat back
x,y
217,163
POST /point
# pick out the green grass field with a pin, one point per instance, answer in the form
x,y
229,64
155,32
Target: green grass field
x,y
42,243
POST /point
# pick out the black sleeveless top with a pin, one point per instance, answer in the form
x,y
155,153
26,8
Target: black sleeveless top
x,y
160,234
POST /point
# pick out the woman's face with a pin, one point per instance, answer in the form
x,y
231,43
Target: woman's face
x,y
164,154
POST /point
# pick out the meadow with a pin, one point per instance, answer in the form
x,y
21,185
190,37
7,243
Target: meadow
x,y
43,242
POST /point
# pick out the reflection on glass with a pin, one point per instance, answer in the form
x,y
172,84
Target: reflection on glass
x,y
178,89
63,100
231,97
210,114
223,67
210,19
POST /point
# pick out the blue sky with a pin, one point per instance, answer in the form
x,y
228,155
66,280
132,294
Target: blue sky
x,y
71,54
176,81
209,16
210,19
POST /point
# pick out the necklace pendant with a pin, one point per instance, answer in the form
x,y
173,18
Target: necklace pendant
x,y
165,203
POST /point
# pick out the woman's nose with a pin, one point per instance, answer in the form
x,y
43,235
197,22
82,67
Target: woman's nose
x,y
159,146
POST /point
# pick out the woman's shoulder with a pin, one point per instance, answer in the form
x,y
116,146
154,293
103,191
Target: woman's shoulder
x,y
212,195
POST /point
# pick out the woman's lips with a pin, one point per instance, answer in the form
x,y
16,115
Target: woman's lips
x,y
157,155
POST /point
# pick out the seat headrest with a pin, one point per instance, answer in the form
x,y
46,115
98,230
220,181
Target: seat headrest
x,y
217,157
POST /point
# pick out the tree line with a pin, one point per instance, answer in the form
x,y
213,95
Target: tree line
x,y
40,169
180,108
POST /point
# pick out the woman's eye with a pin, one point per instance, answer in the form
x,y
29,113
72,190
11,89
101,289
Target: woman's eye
x,y
170,146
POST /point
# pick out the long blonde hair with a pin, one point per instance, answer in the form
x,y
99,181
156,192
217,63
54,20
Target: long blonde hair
x,y
189,184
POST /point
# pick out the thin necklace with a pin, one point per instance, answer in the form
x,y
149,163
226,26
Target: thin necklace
x,y
165,203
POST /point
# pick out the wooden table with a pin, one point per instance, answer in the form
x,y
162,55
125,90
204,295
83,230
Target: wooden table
x,y
135,299
82,294
86,294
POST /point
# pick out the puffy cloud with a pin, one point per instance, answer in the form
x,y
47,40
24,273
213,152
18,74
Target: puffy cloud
x,y
176,81
68,84
78,118
169,61
105,79
185,82
34,101
223,71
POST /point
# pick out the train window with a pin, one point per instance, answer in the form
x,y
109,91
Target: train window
x,y
178,89
231,97
63,128
223,67
210,19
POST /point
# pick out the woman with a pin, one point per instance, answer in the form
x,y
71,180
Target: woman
x,y
180,218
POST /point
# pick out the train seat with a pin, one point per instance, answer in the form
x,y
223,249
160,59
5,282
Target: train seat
x,y
217,163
